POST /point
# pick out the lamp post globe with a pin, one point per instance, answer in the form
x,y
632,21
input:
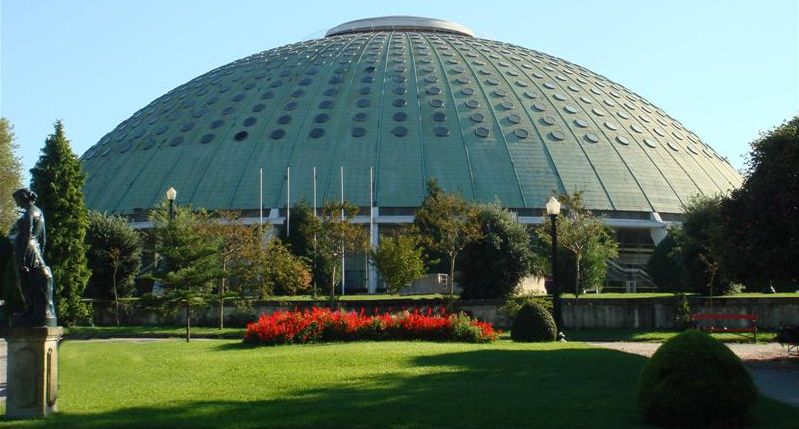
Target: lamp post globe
x,y
171,194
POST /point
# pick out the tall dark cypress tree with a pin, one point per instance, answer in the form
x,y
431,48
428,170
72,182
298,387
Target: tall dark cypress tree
x,y
58,181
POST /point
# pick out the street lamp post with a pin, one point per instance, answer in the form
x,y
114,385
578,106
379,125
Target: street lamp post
x,y
171,194
553,210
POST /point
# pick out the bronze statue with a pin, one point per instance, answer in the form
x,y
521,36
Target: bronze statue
x,y
34,277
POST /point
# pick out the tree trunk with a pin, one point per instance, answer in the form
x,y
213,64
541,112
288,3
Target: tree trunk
x,y
188,321
222,294
116,296
577,275
452,277
333,285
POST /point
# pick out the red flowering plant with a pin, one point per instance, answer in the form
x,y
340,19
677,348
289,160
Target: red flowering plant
x,y
322,324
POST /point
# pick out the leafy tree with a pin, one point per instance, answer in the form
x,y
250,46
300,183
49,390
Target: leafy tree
x,y
187,266
114,257
10,175
398,259
232,239
446,224
336,236
304,245
273,269
665,266
493,265
761,218
57,178
586,238
702,242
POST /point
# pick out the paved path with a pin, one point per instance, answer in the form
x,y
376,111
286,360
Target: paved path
x,y
774,373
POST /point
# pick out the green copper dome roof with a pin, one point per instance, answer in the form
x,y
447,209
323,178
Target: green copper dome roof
x,y
414,98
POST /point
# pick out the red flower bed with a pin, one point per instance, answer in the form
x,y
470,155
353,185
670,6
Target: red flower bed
x,y
322,324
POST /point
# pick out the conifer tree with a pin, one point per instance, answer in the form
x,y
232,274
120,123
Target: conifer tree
x,y
10,175
57,178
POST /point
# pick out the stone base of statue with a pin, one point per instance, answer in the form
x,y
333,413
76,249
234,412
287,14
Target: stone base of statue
x,y
32,375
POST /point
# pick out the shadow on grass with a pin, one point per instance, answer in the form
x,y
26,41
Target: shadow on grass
x,y
564,388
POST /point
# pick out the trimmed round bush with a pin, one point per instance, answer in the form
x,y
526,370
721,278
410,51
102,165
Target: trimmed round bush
x,y
695,381
533,323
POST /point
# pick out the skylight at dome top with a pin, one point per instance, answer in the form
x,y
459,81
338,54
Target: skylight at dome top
x,y
413,98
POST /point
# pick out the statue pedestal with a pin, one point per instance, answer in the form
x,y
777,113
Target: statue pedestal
x,y
32,375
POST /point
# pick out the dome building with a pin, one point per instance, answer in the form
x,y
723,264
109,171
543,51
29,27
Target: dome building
x,y
401,100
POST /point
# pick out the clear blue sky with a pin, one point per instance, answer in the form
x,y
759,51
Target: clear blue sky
x,y
726,69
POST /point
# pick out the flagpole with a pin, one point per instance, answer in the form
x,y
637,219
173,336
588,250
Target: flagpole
x,y
341,171
261,199
371,231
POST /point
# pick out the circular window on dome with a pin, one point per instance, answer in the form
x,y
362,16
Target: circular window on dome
x,y
238,97
492,82
277,134
400,131
531,94
472,104
462,80
673,146
306,81
368,79
400,116
477,117
467,91
611,126
434,90
124,147
316,133
240,136
187,127
206,138
549,85
335,80
400,90
358,132
399,102
592,138
659,132
267,95
320,118
365,90
298,93
326,104
482,132
283,120
521,83
570,109
400,78
331,92
514,118
439,116
623,140
548,120
258,107
598,112
291,105
539,107
364,102
274,84
144,146
609,102
573,88
636,128
692,149
162,129
441,131
500,93
649,142
557,135
507,105
559,97
249,86
360,117
176,141
521,133
250,121
431,79
585,100
437,102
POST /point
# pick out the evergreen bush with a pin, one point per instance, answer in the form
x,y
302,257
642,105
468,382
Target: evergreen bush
x,y
533,323
695,381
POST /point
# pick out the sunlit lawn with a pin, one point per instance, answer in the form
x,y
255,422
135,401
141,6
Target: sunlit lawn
x,y
220,384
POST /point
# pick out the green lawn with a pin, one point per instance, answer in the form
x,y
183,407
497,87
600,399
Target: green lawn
x,y
220,384
634,335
